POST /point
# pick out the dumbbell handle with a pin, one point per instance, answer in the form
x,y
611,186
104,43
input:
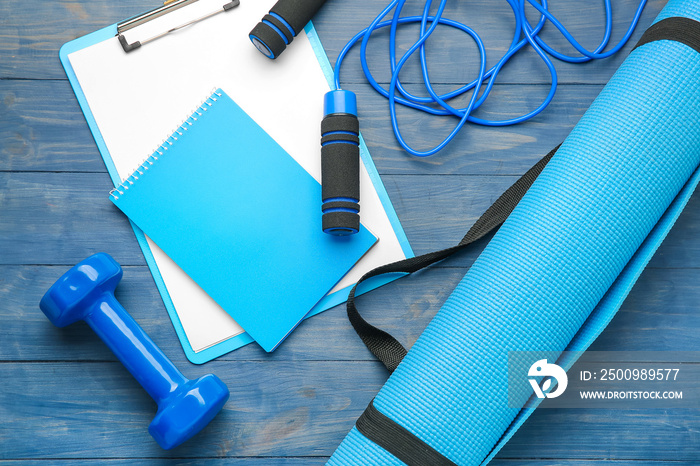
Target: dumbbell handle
x,y
134,348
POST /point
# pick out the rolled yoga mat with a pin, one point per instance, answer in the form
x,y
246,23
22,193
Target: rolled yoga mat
x,y
558,269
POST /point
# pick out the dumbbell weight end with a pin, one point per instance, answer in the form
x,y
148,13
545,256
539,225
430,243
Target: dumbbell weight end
x,y
85,292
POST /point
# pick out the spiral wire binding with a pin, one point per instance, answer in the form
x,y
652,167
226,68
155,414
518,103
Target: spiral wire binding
x,y
163,146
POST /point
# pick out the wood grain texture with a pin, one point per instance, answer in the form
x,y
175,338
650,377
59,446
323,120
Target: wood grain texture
x,y
659,315
272,412
272,461
32,36
452,54
65,398
43,129
31,33
285,408
49,134
60,218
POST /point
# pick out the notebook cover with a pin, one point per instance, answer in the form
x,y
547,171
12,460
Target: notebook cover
x,y
164,282
242,218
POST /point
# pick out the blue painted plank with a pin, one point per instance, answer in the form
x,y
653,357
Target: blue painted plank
x,y
244,461
294,406
270,461
596,434
290,408
42,129
453,57
46,213
659,315
408,306
32,33
61,218
97,410
29,336
320,461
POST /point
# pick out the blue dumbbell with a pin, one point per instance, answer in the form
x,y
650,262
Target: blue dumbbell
x,y
86,292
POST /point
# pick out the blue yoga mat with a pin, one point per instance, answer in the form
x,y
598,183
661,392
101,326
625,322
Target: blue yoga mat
x,y
559,268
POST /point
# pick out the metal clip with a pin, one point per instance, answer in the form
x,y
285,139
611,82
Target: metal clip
x,y
168,6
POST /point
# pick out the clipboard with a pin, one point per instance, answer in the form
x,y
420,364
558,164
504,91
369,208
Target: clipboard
x,y
92,64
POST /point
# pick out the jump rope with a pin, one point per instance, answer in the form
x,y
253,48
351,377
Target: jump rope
x,y
340,129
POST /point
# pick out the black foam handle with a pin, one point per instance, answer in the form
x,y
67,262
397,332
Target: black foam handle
x,y
297,12
340,174
286,19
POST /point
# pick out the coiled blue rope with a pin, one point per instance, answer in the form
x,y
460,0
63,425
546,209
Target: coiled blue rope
x,y
436,104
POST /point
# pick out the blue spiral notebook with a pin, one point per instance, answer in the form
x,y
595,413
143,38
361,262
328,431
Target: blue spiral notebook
x,y
162,80
242,218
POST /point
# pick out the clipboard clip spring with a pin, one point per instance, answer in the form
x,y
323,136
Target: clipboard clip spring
x,y
168,6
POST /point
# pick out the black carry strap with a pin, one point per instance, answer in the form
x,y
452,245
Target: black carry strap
x,y
378,427
385,347
676,28
398,440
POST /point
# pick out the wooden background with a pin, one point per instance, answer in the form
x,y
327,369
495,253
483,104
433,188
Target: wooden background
x,y
66,399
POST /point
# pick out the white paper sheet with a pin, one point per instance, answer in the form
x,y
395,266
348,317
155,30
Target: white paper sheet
x,y
139,98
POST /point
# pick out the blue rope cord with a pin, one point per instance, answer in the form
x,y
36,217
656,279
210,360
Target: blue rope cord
x,y
436,104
